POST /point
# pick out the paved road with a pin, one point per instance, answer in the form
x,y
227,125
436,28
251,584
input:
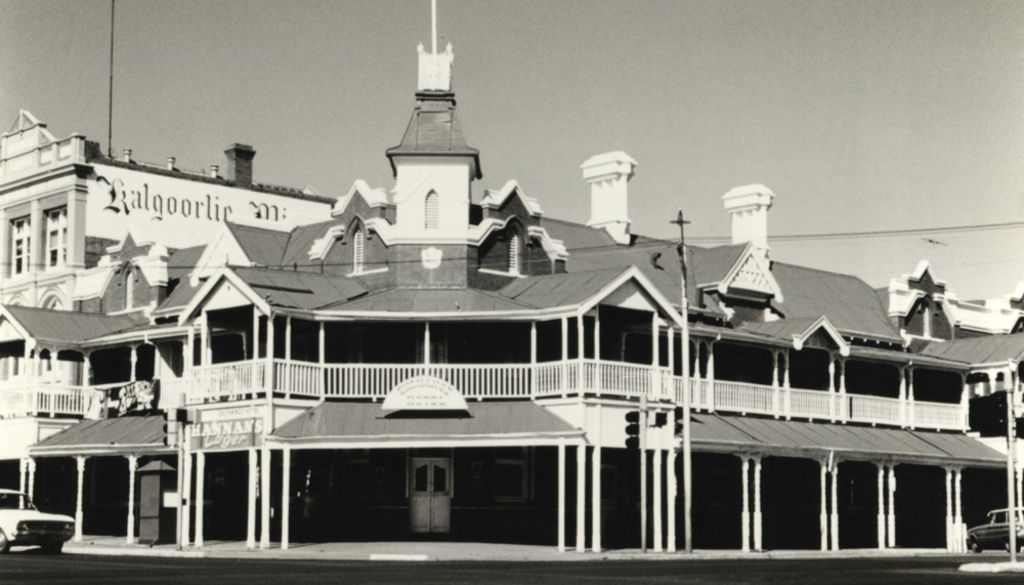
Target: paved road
x,y
29,568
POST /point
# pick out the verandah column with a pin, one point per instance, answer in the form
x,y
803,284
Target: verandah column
x,y
595,487
834,517
200,496
745,515
286,500
265,497
250,507
958,516
186,491
671,487
561,495
31,489
133,462
880,523
832,400
910,398
564,322
80,461
786,386
776,394
823,499
758,542
949,509
581,497
657,452
891,515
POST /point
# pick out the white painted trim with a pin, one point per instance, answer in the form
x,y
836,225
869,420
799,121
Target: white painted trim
x,y
201,295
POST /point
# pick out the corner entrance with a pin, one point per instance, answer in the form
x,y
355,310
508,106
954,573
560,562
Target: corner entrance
x,y
430,500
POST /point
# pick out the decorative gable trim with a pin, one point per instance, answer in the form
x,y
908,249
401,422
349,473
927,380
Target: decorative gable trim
x,y
222,251
91,283
494,199
202,296
373,197
554,247
750,273
320,247
646,286
8,321
822,324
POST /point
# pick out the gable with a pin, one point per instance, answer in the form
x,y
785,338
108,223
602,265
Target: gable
x,y
223,251
630,295
8,331
750,274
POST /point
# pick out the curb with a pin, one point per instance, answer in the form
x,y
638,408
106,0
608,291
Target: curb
x,y
1005,567
107,551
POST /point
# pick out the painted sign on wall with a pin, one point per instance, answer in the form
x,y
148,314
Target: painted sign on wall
x,y
178,212
230,428
424,393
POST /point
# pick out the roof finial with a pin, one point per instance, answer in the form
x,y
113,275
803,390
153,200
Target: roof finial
x,y
433,26
435,68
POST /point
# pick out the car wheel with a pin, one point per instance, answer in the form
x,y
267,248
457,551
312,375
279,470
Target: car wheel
x,y
5,545
974,545
53,548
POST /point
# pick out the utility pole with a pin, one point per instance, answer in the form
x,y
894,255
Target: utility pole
x,y
1011,463
687,460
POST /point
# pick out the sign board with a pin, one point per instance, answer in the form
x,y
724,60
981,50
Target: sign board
x,y
424,393
231,428
179,212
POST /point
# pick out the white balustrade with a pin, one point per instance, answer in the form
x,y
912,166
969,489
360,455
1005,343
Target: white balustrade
x,y
43,399
239,380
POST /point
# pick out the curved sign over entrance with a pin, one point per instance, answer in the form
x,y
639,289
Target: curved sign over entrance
x,y
424,393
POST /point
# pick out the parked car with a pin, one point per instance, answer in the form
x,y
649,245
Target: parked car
x,y
21,524
996,532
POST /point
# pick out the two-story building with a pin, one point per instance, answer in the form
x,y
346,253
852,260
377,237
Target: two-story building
x,y
422,362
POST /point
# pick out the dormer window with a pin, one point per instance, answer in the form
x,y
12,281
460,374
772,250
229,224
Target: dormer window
x,y
513,254
926,319
358,246
430,211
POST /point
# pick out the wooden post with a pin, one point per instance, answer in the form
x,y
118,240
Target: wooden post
x,y
757,504
595,487
581,497
881,505
561,495
80,460
286,499
133,462
745,516
265,498
250,508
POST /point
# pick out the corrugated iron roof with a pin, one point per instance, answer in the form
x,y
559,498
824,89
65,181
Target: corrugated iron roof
x,y
848,302
299,290
431,300
979,350
262,246
360,419
737,433
109,432
557,290
434,129
72,327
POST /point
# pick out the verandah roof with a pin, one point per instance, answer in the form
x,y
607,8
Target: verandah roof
x,y
738,434
106,436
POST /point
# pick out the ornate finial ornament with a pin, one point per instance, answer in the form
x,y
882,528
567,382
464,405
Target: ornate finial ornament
x,y
435,68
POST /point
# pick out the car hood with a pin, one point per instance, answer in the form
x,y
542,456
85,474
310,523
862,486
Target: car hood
x,y
32,515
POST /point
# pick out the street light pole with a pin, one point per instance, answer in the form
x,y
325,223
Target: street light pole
x,y
687,460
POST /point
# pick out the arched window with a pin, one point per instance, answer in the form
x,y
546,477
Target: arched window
x,y
129,287
430,211
358,245
513,254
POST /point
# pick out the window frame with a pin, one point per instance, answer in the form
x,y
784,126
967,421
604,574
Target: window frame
x,y
21,245
56,237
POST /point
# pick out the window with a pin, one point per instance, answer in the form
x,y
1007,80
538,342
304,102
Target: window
x,y
129,287
510,479
21,243
358,243
56,237
926,319
513,254
430,211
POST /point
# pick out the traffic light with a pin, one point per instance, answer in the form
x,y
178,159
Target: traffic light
x,y
679,421
633,429
174,418
660,419
987,415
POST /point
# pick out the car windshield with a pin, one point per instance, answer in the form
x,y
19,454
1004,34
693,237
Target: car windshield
x,y
9,501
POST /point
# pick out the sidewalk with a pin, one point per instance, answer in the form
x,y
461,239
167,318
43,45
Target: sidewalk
x,y
447,551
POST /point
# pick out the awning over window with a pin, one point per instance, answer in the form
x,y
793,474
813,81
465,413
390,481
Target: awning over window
x,y
111,436
366,425
738,434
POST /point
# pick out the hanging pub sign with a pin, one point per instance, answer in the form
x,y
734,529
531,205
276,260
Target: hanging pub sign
x,y
424,393
230,428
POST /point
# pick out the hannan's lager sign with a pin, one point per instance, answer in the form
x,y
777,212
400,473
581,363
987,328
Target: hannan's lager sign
x,y
227,429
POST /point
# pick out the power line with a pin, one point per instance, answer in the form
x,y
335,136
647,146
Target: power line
x,y
879,233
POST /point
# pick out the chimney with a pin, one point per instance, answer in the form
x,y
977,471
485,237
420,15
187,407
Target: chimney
x,y
239,167
127,155
214,171
170,163
608,175
749,207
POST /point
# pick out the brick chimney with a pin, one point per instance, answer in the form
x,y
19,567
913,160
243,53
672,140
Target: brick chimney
x,y
239,167
608,175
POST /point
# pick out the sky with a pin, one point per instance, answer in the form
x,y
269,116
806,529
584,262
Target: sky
x,y
861,116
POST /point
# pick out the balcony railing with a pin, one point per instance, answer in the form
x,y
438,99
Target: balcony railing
x,y
294,379
747,398
44,399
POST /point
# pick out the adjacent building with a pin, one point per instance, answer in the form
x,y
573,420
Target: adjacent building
x,y
418,361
